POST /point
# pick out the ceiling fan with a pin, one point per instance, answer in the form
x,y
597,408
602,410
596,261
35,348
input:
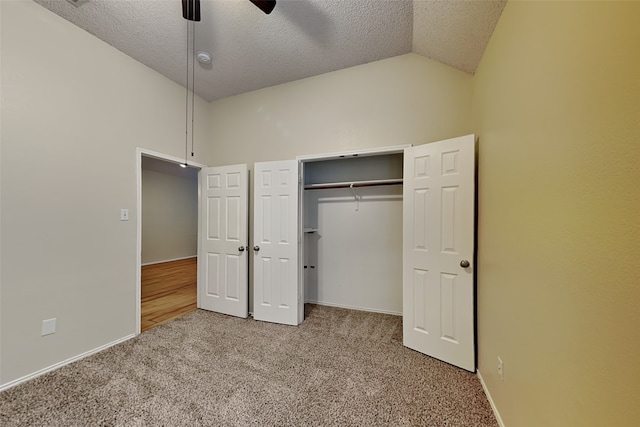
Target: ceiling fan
x,y
191,8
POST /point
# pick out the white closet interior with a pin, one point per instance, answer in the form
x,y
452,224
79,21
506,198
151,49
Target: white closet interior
x,y
352,219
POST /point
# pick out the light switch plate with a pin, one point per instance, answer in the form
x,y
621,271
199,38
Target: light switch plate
x,y
49,326
124,214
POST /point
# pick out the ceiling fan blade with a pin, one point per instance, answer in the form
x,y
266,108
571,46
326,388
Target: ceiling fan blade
x,y
191,10
265,5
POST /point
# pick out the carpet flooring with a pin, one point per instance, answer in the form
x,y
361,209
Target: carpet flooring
x,y
339,368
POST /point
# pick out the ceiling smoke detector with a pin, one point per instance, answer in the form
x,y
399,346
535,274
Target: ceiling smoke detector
x,y
77,3
203,57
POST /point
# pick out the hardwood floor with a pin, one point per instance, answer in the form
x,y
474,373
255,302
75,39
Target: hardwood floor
x,y
169,290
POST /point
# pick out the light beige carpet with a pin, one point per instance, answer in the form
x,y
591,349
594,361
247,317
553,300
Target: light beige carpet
x,y
340,367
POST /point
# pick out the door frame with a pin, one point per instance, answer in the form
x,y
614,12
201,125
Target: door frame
x,y
140,152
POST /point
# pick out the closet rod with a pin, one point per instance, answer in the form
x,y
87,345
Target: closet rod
x,y
371,183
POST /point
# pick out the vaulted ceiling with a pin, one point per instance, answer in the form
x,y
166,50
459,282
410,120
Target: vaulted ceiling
x,y
299,39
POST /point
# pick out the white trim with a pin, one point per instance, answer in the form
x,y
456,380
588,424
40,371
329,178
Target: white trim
x,y
169,260
493,405
351,307
199,263
167,157
355,153
149,153
55,366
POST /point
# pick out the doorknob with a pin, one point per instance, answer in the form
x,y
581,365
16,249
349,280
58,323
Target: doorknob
x,y
256,248
464,263
241,248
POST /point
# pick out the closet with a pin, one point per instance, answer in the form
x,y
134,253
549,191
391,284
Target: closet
x,y
352,230
389,230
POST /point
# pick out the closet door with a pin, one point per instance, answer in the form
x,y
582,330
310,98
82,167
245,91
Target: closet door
x,y
223,260
276,292
438,249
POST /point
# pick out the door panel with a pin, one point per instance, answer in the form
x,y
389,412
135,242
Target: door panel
x,y
438,233
276,290
223,260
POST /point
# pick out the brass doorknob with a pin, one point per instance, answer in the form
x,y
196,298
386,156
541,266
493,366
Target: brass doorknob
x,y
241,248
464,263
256,248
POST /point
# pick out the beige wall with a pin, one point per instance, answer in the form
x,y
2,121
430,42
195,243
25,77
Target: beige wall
x,y
169,215
74,110
557,109
402,100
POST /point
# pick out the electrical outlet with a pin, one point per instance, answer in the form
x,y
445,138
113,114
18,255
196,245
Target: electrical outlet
x,y
500,369
48,326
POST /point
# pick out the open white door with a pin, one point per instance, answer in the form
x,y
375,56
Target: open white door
x,y
276,295
223,260
438,249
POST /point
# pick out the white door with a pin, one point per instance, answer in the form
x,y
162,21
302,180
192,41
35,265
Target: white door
x,y
276,293
438,242
223,258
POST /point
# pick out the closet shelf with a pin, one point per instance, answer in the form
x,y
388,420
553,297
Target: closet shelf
x,y
354,184
310,230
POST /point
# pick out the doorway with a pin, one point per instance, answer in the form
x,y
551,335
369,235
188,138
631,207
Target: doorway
x,y
168,205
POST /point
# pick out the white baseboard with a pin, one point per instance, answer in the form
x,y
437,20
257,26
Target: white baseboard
x,y
169,260
493,405
350,307
55,366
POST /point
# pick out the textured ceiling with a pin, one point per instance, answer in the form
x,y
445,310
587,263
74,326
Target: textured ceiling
x,y
454,32
300,38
